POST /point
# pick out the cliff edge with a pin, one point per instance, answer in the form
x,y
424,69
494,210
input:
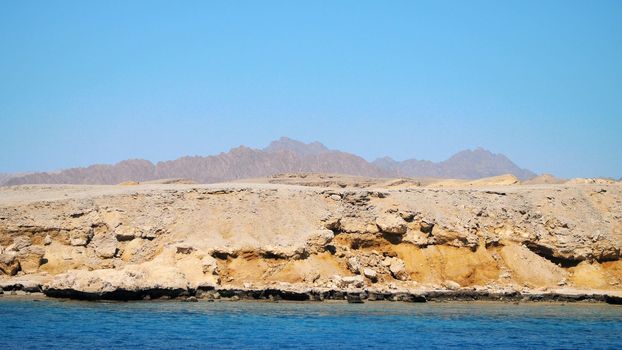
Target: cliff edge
x,y
154,240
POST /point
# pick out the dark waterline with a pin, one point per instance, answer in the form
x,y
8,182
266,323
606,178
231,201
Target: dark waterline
x,y
50,324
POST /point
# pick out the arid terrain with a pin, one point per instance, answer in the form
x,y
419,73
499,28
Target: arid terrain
x,y
314,236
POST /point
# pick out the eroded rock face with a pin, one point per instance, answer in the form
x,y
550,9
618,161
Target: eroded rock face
x,y
133,280
180,237
9,265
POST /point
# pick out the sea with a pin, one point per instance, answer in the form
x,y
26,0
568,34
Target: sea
x,y
57,324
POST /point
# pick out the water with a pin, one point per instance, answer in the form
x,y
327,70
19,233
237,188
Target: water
x,y
28,324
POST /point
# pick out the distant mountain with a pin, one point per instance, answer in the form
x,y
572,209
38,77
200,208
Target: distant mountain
x,y
4,177
281,156
469,164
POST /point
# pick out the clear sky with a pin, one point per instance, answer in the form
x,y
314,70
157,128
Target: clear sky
x,y
85,82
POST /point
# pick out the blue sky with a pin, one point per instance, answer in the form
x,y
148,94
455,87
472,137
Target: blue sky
x,y
85,82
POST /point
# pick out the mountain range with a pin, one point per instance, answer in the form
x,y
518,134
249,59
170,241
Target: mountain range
x,y
281,156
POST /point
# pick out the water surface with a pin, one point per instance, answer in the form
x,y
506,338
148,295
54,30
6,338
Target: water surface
x,y
51,324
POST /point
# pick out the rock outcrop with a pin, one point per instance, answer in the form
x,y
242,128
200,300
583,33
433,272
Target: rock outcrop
x,y
149,241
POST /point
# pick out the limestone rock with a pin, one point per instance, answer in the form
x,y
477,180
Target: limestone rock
x,y
131,278
105,248
398,269
318,241
265,234
354,265
19,243
352,282
80,237
371,274
9,265
358,225
30,258
392,224
281,252
451,285
426,226
209,265
184,248
125,233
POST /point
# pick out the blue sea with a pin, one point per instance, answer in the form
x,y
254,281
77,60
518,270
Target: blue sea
x,y
54,324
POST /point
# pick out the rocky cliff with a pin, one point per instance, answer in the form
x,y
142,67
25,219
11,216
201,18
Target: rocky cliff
x,y
156,240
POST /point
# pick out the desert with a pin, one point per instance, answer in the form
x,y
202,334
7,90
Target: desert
x,y
315,237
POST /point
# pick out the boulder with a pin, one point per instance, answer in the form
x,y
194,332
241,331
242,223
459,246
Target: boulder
x,y
30,258
47,240
80,237
149,232
105,248
371,274
354,265
318,240
358,225
9,265
125,233
451,285
352,281
19,243
398,269
426,226
392,224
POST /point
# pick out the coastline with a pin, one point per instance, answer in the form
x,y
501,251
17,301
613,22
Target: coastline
x,y
315,295
286,242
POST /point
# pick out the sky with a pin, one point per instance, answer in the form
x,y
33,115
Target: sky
x,y
84,82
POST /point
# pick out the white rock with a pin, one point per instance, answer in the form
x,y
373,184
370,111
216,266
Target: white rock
x,y
392,224
80,237
451,285
352,281
369,273
398,269
106,248
354,265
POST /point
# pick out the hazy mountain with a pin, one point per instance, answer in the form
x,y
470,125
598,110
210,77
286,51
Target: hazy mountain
x,y
283,155
301,148
4,177
469,164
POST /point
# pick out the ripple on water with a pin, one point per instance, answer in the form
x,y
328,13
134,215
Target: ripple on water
x,y
261,325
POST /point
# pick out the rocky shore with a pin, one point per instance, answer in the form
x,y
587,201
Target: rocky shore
x,y
313,295
394,240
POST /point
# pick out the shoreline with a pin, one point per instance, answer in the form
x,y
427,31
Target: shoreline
x,y
312,295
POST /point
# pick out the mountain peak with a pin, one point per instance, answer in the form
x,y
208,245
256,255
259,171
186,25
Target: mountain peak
x,y
480,162
280,156
285,144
